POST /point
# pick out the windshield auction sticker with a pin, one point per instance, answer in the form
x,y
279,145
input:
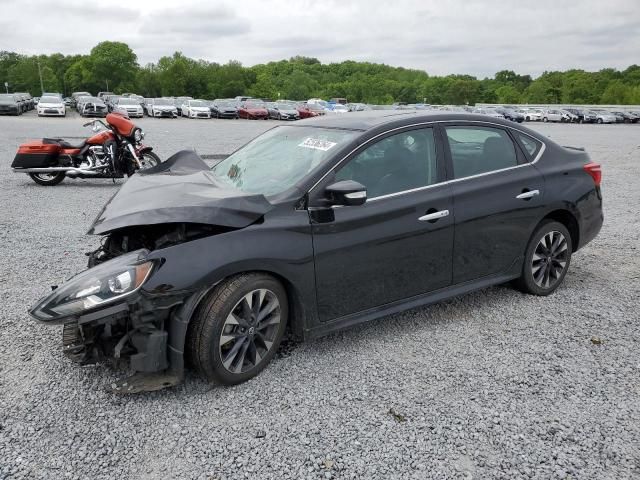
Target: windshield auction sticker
x,y
317,144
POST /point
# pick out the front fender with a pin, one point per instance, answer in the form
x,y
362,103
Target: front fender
x,y
140,149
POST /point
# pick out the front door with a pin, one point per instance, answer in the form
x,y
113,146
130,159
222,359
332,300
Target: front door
x,y
399,243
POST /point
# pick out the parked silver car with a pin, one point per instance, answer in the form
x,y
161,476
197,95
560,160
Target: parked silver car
x,y
283,111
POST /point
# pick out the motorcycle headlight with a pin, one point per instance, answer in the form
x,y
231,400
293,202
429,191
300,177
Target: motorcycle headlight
x,y
138,134
95,288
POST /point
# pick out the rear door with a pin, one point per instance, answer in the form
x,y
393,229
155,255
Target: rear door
x,y
399,243
497,196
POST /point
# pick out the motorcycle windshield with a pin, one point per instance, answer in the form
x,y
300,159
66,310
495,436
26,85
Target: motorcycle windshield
x,y
180,190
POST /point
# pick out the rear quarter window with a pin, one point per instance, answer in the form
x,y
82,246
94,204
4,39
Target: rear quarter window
x,y
530,145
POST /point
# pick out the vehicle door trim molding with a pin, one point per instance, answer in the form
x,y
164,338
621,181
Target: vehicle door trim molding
x,y
428,124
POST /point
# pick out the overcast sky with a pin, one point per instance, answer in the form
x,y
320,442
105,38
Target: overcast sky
x,y
479,37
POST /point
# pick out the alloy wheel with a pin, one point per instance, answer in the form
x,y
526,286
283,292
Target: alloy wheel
x,y
249,331
549,259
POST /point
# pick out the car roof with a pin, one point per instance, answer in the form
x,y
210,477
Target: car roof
x,y
368,120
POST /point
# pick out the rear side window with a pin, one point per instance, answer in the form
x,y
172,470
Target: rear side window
x,y
476,150
530,144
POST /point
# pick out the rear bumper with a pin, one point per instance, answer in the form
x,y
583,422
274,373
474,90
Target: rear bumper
x,y
591,217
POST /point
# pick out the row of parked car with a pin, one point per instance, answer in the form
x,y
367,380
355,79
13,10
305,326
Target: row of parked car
x,y
16,103
554,114
87,105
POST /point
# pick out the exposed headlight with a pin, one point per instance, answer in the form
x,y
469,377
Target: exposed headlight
x,y
94,288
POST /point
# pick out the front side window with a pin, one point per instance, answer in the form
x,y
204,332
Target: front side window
x,y
401,162
476,150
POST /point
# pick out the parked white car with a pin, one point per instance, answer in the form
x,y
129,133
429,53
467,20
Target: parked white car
x,y
533,115
51,106
196,109
552,115
130,105
337,108
488,111
161,107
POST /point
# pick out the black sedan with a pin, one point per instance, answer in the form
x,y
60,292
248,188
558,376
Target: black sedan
x,y
224,109
10,105
315,227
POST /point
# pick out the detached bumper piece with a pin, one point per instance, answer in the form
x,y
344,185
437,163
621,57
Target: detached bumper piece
x,y
138,339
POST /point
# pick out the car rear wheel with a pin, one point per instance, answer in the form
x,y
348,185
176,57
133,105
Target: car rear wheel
x,y
547,259
237,329
545,119
599,120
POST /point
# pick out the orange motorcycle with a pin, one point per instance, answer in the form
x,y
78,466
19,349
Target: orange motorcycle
x,y
115,150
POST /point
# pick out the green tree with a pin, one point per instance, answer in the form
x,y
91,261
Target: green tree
x,y
616,93
113,63
507,94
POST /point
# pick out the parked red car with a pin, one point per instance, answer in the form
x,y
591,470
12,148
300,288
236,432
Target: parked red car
x,y
308,111
253,111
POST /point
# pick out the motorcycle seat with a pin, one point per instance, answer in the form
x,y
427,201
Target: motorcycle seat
x,y
63,143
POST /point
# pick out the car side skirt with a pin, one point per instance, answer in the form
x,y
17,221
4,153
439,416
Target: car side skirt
x,y
439,295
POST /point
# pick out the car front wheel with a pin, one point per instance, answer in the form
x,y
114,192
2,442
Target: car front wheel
x,y
547,259
237,329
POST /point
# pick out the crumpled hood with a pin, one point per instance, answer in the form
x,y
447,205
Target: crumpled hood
x,y
181,189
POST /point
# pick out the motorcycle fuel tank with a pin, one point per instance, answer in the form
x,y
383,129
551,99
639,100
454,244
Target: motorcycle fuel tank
x,y
101,138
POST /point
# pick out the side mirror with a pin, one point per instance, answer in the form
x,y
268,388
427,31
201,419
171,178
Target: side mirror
x,y
346,192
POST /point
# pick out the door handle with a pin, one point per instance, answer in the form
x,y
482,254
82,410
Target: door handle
x,y
434,216
527,195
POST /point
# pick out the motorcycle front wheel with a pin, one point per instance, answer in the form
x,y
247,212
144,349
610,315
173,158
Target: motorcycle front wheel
x,y
149,159
47,179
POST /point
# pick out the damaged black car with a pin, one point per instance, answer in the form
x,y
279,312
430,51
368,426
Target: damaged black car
x,y
315,227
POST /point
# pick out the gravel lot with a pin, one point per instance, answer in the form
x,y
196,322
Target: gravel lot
x,y
495,384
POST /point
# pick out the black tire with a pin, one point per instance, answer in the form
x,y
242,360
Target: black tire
x,y
545,119
599,121
47,180
544,274
204,349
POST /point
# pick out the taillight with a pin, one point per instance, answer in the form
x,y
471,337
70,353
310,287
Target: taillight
x,y
595,171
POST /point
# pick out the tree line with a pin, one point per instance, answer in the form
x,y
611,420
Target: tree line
x,y
113,66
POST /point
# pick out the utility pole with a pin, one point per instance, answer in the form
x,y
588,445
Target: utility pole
x,y
6,86
40,73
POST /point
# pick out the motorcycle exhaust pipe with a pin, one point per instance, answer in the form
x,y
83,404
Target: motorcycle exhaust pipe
x,y
71,172
82,173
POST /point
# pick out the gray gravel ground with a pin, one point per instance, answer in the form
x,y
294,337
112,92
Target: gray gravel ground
x,y
494,384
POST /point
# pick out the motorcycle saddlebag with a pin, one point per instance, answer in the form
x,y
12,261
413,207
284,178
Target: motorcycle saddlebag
x,y
37,154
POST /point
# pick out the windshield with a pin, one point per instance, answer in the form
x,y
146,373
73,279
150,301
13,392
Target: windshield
x,y
285,106
128,101
162,101
225,104
276,160
314,106
7,97
196,103
50,100
254,105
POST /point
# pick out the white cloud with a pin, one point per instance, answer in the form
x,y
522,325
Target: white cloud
x,y
478,37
